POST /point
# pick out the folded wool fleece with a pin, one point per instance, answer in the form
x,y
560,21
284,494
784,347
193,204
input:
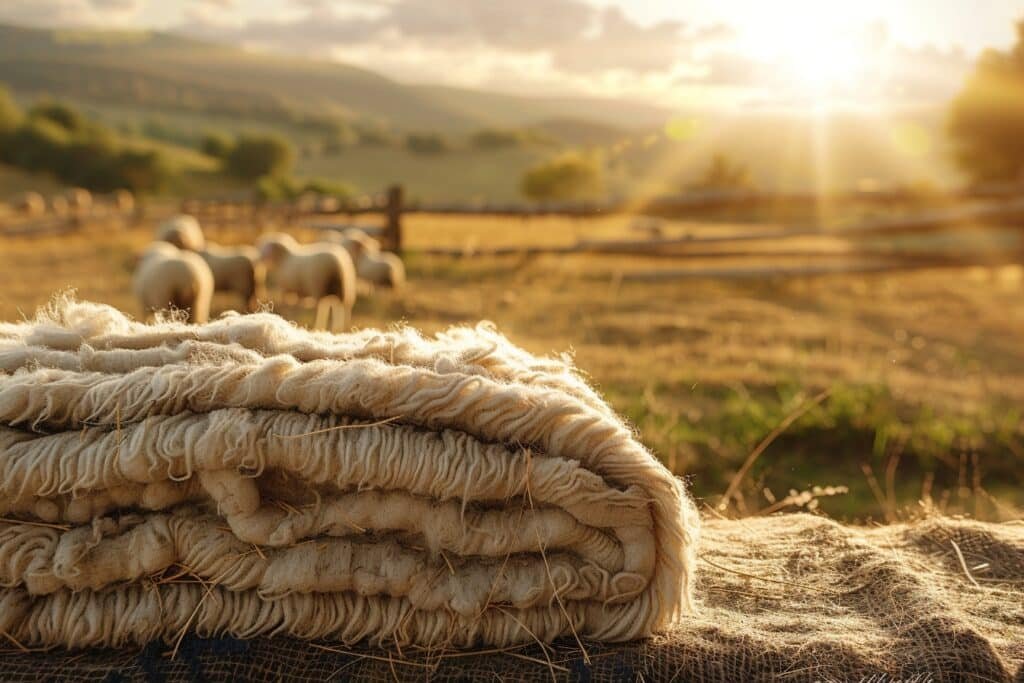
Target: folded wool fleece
x,y
247,477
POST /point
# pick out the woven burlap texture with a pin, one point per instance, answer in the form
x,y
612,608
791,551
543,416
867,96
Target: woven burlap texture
x,y
250,478
786,598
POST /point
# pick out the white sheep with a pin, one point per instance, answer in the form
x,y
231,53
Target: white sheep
x,y
182,231
373,266
79,201
124,201
358,243
31,204
323,271
59,206
170,277
238,270
382,269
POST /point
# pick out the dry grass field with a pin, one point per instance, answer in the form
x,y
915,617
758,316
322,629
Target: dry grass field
x,y
924,371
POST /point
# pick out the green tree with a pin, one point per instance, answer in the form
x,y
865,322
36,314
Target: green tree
x,y
497,138
255,156
36,145
139,171
426,143
64,115
216,145
10,113
724,174
568,176
987,117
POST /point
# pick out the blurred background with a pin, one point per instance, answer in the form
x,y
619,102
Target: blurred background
x,y
785,239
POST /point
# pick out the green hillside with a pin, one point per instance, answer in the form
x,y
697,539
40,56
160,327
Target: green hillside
x,y
165,71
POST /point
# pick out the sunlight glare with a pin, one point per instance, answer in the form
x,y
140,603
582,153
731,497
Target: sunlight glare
x,y
814,57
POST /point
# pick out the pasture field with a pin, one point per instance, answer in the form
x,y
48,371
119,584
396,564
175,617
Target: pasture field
x,y
923,372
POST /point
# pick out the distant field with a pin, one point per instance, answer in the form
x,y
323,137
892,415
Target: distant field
x,y
925,370
783,152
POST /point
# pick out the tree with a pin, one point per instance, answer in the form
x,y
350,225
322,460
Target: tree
x,y
10,114
139,171
987,117
426,143
255,156
568,176
497,138
724,174
36,145
216,145
64,115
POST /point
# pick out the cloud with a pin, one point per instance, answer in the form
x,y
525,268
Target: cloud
x,y
622,44
68,12
575,36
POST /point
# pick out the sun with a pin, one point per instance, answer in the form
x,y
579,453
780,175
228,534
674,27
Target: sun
x,y
818,64
808,59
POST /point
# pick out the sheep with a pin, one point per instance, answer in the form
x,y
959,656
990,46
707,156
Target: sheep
x,y
322,270
59,206
385,269
31,204
168,276
359,243
238,270
182,231
124,201
372,265
79,201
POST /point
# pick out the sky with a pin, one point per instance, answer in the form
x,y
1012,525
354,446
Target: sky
x,y
721,53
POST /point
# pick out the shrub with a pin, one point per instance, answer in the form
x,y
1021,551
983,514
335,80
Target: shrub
x,y
987,117
255,156
36,145
10,113
280,188
426,143
373,135
568,176
497,138
139,171
89,157
63,115
216,145
724,174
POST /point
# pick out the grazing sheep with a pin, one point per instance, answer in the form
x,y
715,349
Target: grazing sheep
x,y
79,201
359,243
182,231
382,269
322,270
372,265
31,204
238,270
59,206
124,201
168,276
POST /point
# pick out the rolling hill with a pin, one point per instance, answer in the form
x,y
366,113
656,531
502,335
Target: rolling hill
x,y
168,71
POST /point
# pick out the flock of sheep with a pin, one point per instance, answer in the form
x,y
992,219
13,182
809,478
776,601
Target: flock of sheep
x,y
73,203
182,270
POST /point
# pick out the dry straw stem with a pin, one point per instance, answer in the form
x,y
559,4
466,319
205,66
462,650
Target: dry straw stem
x,y
737,480
380,486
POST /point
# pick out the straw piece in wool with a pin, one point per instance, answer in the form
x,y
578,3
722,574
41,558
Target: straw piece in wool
x,y
474,456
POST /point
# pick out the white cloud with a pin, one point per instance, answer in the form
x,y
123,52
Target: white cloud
x,y
69,12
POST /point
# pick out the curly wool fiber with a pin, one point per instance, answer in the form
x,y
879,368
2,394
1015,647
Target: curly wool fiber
x,y
375,486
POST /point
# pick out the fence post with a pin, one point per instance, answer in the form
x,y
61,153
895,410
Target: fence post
x,y
393,227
